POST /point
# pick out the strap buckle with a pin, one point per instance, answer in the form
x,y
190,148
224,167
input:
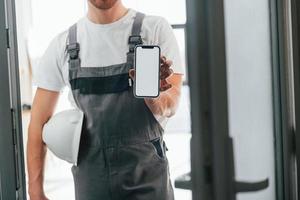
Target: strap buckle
x,y
135,40
73,50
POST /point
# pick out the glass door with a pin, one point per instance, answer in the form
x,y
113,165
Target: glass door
x,y
239,145
250,93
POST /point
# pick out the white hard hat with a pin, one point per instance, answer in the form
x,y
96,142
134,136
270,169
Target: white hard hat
x,y
62,134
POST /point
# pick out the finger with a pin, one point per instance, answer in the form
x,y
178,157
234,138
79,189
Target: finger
x,y
164,83
166,65
165,87
166,74
163,63
163,59
131,73
169,63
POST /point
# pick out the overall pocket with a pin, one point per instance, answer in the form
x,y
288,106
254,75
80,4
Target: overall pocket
x,y
159,148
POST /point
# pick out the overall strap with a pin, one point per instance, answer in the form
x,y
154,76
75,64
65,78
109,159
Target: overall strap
x,y
135,38
137,24
73,48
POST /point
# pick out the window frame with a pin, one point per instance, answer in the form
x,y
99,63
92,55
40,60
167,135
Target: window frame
x,y
180,27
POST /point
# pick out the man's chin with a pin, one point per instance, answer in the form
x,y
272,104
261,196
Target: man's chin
x,y
103,4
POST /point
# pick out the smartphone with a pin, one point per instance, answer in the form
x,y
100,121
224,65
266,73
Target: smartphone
x,y
147,69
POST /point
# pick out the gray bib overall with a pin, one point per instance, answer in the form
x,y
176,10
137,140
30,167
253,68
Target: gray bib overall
x,y
122,153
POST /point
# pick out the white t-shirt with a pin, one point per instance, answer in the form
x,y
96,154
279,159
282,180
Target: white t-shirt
x,y
103,45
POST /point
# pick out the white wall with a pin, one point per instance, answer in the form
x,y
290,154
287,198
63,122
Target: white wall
x,y
23,16
250,92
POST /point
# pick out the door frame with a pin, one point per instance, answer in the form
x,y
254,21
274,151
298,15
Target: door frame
x,y
282,100
295,39
209,142
211,162
285,58
11,138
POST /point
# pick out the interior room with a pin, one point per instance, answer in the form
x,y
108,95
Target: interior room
x,y
229,100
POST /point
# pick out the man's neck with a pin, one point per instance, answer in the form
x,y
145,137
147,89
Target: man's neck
x,y
106,16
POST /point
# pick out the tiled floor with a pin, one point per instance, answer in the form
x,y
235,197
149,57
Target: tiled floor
x,y
58,178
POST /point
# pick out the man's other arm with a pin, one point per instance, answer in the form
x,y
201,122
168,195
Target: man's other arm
x,y
42,109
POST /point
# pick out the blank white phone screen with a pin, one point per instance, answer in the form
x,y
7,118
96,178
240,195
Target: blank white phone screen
x,y
147,71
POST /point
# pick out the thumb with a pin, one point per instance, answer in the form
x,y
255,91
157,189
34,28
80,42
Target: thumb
x,y
131,73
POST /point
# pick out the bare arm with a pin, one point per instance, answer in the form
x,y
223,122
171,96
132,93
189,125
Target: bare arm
x,y
42,109
166,104
170,86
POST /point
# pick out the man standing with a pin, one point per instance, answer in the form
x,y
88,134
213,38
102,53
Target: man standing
x,y
122,152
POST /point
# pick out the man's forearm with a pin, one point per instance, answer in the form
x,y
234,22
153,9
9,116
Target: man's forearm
x,y
166,104
36,152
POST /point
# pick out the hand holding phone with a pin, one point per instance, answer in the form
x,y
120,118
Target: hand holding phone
x,y
147,71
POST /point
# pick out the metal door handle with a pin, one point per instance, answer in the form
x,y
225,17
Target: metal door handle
x,y
185,182
251,187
